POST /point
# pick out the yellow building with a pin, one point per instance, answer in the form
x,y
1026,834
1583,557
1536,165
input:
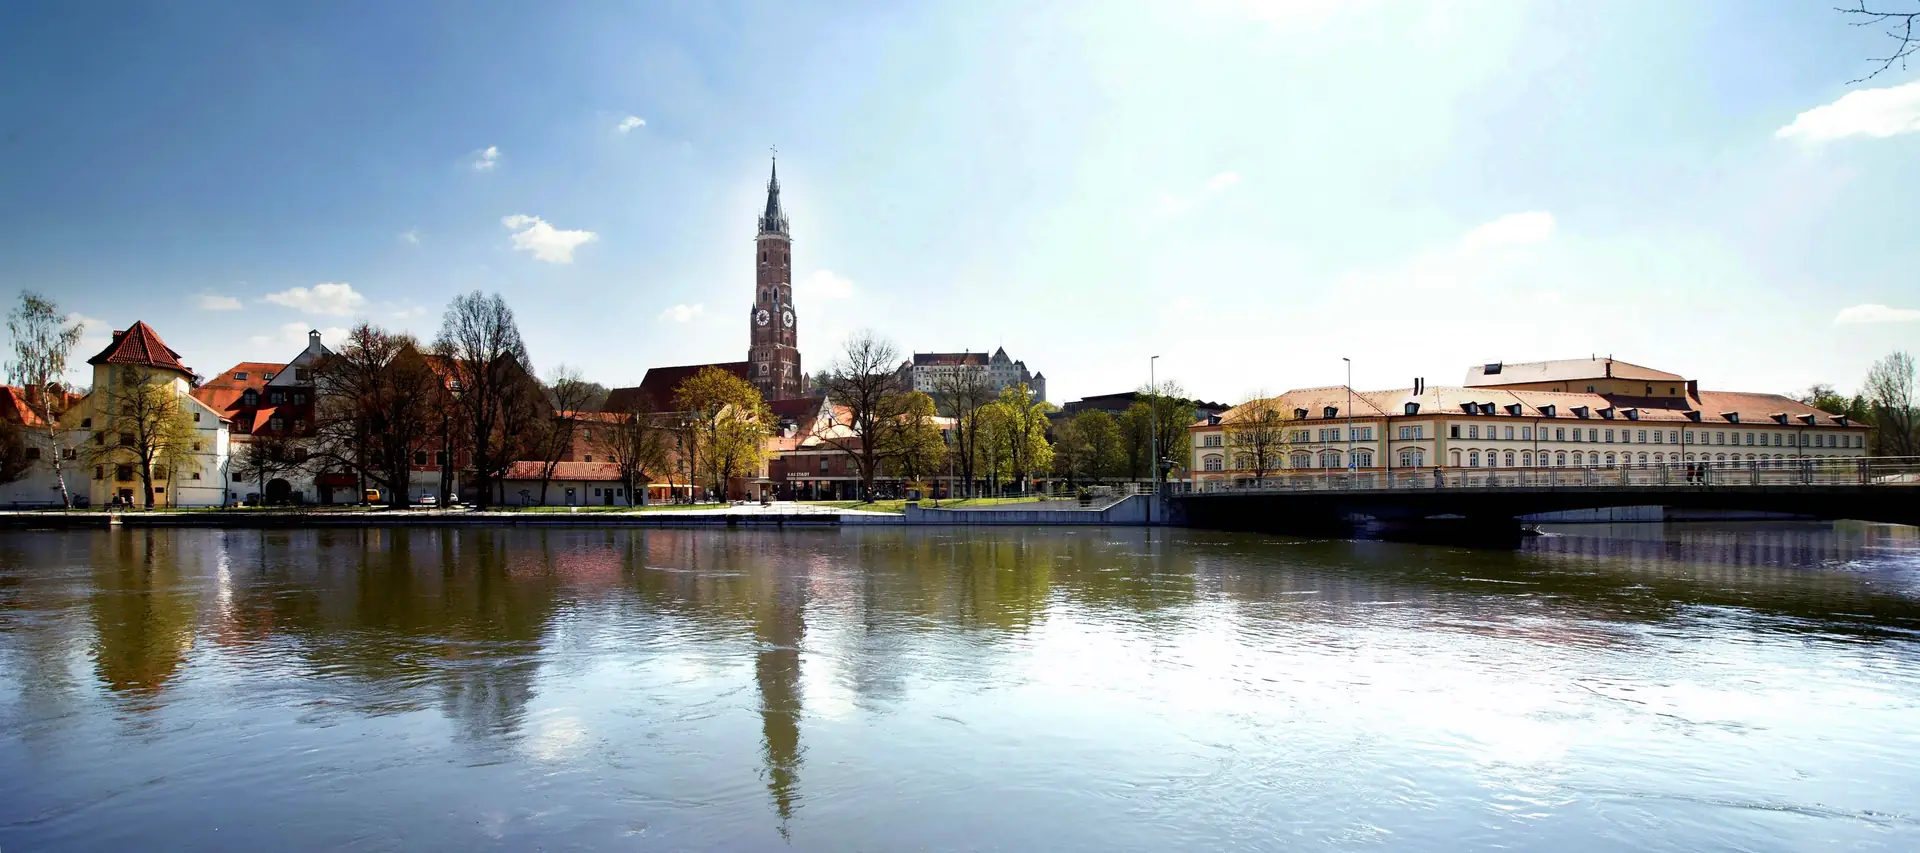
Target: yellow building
x,y
1537,415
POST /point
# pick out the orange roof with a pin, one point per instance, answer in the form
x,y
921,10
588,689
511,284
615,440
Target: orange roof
x,y
591,471
140,344
1563,370
1712,406
14,407
222,392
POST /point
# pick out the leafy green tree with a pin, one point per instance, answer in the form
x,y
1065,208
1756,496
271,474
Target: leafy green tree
x,y
1099,436
729,423
915,449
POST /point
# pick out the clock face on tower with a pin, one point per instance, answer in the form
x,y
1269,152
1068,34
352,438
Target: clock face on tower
x,y
761,316
786,317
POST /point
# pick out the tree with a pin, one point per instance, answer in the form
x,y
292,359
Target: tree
x,y
989,427
379,404
728,423
268,456
1171,412
1257,433
864,381
1023,430
496,395
146,427
1889,389
1069,452
916,449
568,396
961,393
42,341
1099,433
635,443
15,462
1899,27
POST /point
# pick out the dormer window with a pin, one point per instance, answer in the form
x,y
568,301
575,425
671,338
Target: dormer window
x,y
1413,408
1581,412
1486,408
1299,414
1632,414
1330,412
240,375
1779,418
1469,408
1842,420
268,376
1807,419
1606,413
1693,415
1549,411
250,399
1732,417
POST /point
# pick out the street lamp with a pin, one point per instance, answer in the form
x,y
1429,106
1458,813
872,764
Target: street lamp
x,y
1350,467
1153,431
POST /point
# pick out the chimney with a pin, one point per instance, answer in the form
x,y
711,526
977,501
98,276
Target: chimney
x,y
118,335
1693,389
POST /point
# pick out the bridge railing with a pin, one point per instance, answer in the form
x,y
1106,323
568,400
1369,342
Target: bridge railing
x,y
1809,471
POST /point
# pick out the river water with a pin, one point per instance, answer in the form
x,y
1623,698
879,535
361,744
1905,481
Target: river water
x,y
1680,688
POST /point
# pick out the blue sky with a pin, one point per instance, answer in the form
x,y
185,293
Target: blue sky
x,y
1249,189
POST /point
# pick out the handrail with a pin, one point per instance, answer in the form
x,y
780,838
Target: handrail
x,y
1890,471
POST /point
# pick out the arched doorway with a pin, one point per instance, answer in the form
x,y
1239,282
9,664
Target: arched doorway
x,y
279,491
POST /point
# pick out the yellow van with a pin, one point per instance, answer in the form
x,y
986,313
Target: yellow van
x,y
370,497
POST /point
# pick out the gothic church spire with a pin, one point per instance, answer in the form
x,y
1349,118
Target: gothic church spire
x,y
774,220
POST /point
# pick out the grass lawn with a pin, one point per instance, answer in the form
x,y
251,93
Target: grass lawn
x,y
900,506
647,508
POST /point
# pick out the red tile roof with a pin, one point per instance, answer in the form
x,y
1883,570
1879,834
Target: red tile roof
x,y
14,407
1712,406
1563,370
655,390
590,471
949,359
139,344
222,393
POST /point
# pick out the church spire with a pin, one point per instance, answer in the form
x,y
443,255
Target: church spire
x,y
774,220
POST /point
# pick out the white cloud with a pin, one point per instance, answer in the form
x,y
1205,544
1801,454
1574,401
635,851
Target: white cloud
x,y
683,313
822,285
1878,113
411,235
1875,313
1514,229
630,123
215,302
550,244
336,299
294,335
1173,205
486,158
1222,181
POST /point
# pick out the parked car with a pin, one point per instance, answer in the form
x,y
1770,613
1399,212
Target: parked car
x,y
370,497
427,500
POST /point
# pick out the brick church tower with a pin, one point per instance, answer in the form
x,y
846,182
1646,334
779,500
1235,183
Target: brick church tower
x,y
773,359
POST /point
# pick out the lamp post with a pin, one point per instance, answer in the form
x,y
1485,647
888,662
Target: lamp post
x,y
1350,466
1153,431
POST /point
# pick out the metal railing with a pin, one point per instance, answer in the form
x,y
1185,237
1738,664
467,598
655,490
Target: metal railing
x,y
1808,471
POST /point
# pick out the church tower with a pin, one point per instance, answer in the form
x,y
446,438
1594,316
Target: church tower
x,y
773,359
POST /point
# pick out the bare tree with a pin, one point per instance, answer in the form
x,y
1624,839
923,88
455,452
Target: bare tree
x,y
1899,27
379,404
1257,433
961,393
635,443
864,380
569,396
491,373
269,456
42,341
1890,390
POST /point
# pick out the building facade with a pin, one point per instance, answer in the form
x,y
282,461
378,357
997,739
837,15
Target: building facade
x,y
930,369
773,326
114,420
1322,430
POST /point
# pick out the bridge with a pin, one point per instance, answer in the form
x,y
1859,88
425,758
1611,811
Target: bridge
x,y
1883,489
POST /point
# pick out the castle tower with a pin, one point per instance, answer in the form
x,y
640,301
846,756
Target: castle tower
x,y
774,356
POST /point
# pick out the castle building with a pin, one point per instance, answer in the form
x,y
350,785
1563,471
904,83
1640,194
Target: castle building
x,y
930,369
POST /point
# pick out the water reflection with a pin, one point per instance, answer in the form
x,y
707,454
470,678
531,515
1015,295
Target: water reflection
x,y
663,673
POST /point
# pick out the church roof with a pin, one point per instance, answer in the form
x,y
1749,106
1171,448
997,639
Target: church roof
x,y
774,220
140,344
655,391
948,359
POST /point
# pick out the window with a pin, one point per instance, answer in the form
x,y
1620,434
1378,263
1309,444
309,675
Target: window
x,y
250,399
1526,433
267,375
196,476
100,472
440,458
1559,434
1329,458
196,447
1453,430
1363,459
1362,433
1610,460
1411,458
596,492
1473,430
1643,458
126,440
1776,439
32,453
1609,436
1406,433
1749,439
123,473
419,457
589,457
160,472
1526,458
1211,462
299,398
70,453
763,368
1211,439
303,374
1578,459
1719,438
1456,458
1593,435
1673,436
1473,459
823,464
276,397
240,374
1658,436
276,424
1302,459
196,417
1641,437
1509,459
1560,459
239,477
1589,389
1507,434
86,423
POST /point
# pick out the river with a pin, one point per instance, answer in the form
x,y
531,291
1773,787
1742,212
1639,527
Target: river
x,y
1682,688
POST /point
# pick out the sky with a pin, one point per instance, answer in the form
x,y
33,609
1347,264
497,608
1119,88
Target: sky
x,y
1249,190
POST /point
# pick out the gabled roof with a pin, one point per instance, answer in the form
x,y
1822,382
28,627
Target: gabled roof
x,y
222,393
14,407
657,387
589,471
948,359
1563,370
140,344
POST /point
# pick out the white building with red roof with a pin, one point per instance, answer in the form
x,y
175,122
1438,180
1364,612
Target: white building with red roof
x,y
192,474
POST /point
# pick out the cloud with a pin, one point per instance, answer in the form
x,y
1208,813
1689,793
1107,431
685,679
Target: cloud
x,y
211,301
823,285
1514,229
547,243
411,235
1222,181
683,313
630,123
486,158
336,299
295,335
1869,313
1878,113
